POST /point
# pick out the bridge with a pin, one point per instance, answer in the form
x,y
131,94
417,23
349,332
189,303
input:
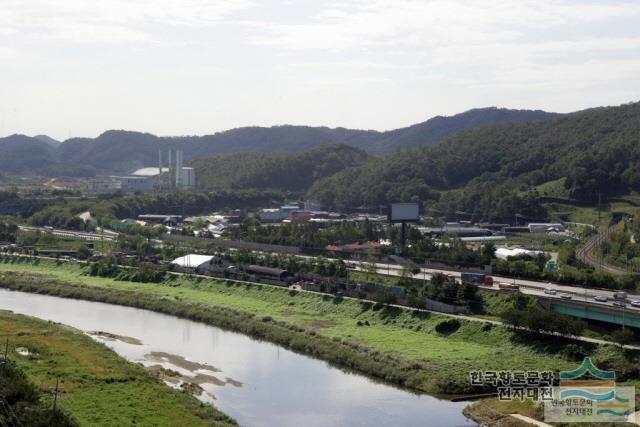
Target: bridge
x,y
603,313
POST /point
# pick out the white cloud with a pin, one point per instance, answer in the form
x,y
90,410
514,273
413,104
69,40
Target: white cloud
x,y
110,20
6,52
352,24
196,66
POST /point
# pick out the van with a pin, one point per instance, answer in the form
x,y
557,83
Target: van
x,y
620,295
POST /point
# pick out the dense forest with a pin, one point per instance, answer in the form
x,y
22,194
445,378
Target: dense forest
x,y
491,173
118,151
294,172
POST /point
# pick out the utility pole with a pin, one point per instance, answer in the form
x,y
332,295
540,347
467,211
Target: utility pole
x,y
55,396
424,277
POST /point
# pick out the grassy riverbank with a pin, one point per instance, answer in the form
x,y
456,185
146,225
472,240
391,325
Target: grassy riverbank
x,y
397,345
97,387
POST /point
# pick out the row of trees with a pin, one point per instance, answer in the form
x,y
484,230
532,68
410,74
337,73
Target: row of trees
x,y
108,208
306,235
524,312
8,232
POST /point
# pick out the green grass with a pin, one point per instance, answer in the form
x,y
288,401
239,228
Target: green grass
x,y
99,388
553,188
375,278
407,334
589,214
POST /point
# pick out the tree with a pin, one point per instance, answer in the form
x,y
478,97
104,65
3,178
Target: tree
x,y
623,336
370,267
83,252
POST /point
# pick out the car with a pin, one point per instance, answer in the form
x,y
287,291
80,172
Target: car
x,y
550,291
635,303
601,298
565,296
619,304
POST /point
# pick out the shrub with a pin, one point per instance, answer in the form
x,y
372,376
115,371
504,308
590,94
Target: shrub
x,y
447,327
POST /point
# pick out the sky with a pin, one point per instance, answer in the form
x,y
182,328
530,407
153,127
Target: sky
x,y
191,67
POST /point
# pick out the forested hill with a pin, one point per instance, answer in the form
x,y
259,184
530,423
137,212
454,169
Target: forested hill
x,y
294,138
293,172
439,128
19,153
119,151
488,171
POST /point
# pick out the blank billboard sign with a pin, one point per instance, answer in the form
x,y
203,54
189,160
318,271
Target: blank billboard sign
x,y
399,212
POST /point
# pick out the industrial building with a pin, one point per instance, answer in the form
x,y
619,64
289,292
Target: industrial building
x,y
455,229
545,227
200,264
151,178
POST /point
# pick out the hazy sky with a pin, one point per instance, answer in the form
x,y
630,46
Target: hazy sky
x,y
177,67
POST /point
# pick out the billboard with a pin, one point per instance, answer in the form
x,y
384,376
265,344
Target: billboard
x,y
401,212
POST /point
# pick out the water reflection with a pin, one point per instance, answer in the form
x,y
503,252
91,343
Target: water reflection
x,y
259,384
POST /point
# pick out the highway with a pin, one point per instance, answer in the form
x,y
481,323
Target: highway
x,y
459,316
70,234
529,287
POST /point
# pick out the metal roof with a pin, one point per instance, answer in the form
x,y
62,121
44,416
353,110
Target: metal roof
x,y
265,270
192,260
149,171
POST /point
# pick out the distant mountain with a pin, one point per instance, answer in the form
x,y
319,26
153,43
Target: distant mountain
x,y
294,172
118,151
44,138
493,172
20,154
440,128
114,151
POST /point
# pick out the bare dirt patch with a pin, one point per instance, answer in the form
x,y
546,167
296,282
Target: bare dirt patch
x,y
315,325
113,337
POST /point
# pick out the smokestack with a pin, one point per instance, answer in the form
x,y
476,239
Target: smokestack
x,y
169,183
178,169
159,182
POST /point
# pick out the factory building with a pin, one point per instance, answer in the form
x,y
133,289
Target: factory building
x,y
151,178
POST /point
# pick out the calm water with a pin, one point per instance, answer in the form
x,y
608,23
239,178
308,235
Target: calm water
x,y
257,383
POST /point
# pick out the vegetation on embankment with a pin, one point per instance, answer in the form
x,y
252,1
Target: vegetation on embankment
x,y
396,345
21,404
496,413
97,387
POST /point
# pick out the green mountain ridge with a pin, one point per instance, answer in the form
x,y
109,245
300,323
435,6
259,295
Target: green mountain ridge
x,y
118,151
491,172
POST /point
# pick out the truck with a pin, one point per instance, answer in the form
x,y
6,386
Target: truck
x,y
479,278
504,286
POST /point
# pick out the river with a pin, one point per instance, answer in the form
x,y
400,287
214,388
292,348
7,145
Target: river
x,y
257,383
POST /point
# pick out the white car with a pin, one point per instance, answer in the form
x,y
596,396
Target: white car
x,y
565,296
601,298
635,303
550,291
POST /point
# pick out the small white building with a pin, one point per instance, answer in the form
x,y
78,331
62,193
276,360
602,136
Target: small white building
x,y
504,253
545,227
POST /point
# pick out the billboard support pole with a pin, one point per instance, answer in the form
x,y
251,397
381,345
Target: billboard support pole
x,y
403,238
